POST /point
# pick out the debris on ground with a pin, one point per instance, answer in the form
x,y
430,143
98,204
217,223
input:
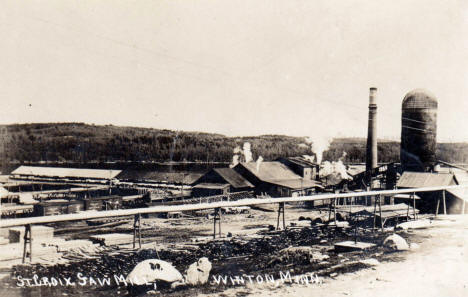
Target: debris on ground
x,y
112,239
349,246
370,262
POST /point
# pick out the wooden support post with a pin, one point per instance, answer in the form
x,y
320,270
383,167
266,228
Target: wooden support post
x,y
350,206
284,219
407,212
414,206
27,239
217,219
380,211
437,206
356,221
334,211
137,230
281,213
444,202
375,213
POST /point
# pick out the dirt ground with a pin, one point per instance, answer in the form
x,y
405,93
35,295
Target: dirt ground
x,y
439,267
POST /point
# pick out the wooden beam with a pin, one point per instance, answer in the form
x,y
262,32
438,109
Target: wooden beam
x,y
186,207
137,230
375,213
334,211
380,211
444,202
217,220
27,240
281,212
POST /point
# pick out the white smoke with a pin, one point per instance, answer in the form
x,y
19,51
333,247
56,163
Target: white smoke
x,y
318,146
241,155
341,169
336,169
247,152
235,161
237,150
259,162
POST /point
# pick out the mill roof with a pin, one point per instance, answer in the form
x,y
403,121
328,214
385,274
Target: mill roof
x,y
425,179
233,178
66,172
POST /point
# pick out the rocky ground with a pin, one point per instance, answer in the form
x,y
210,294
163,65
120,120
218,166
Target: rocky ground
x,y
437,267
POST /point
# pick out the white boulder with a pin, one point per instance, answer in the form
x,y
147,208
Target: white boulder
x,y
198,272
152,270
396,243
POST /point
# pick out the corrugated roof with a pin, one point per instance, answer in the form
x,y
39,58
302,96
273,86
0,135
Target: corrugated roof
x,y
425,179
301,161
210,186
279,174
66,172
356,169
271,171
232,177
297,184
153,175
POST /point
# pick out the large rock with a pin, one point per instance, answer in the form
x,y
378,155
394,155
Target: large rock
x,y
153,270
198,272
395,243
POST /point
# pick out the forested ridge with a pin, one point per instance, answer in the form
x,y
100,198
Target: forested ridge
x,y
84,143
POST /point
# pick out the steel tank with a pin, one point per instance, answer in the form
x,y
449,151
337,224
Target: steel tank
x,y
418,131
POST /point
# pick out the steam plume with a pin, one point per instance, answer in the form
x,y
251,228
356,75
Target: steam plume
x,y
259,162
241,155
318,146
247,152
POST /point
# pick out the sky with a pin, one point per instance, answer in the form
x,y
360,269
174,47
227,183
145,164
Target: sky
x,y
301,68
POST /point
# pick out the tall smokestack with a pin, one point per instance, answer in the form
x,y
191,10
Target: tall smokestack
x,y
371,154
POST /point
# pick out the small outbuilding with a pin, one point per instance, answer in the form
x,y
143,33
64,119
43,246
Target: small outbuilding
x,y
209,189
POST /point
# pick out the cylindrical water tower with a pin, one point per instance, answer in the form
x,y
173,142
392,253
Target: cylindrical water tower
x,y
418,131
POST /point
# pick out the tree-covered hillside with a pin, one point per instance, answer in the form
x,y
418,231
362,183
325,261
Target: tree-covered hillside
x,y
83,143
78,142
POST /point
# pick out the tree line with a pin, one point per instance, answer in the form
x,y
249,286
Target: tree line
x,y
84,143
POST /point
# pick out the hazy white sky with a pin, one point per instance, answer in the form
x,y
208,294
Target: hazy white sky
x,y
233,67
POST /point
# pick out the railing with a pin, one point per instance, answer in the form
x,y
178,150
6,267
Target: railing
x,y
200,206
